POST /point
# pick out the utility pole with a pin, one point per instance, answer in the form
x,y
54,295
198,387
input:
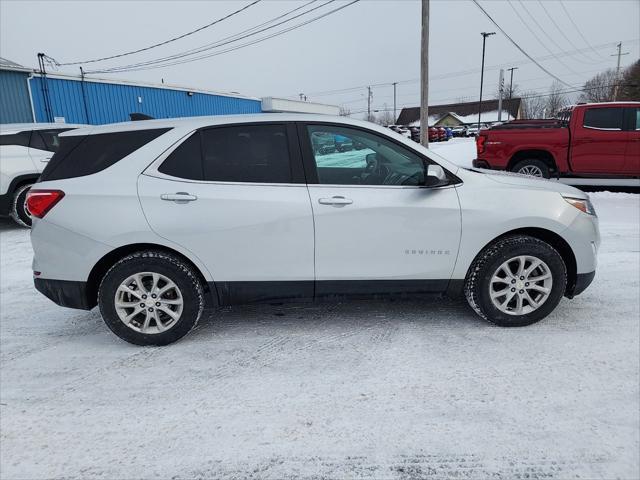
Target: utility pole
x,y
369,95
394,102
484,41
511,90
619,54
424,76
500,93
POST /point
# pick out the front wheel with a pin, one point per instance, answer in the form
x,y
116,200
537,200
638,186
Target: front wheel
x,y
19,211
151,298
516,281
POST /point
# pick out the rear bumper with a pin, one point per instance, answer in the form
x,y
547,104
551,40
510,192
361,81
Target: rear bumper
x,y
65,293
477,163
583,280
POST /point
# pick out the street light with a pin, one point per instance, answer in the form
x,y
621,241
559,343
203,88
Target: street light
x,y
484,40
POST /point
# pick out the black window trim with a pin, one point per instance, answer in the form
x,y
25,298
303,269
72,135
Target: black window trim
x,y
310,168
295,155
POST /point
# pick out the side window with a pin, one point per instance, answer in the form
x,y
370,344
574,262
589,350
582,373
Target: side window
x,y
637,118
347,156
186,160
604,118
246,153
17,139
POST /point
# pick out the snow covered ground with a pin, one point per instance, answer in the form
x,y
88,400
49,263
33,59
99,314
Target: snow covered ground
x,y
416,389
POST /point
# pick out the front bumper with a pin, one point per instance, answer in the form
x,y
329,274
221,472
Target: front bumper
x,y
65,293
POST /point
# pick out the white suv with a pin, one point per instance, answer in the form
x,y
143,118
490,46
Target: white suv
x,y
24,150
151,220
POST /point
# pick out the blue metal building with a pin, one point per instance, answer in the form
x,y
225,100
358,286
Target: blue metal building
x,y
15,100
27,96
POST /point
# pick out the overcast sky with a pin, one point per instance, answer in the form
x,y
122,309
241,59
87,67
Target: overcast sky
x,y
370,42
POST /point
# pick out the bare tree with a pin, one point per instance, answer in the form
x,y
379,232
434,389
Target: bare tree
x,y
630,85
385,117
532,105
344,111
556,100
599,88
515,91
370,117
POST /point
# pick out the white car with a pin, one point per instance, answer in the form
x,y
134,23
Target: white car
x,y
151,220
25,149
472,130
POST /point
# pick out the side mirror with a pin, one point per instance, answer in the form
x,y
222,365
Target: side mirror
x,y
436,177
371,158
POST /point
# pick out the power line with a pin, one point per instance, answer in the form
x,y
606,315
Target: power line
x,y
223,41
166,41
518,46
237,47
565,36
459,73
536,35
578,30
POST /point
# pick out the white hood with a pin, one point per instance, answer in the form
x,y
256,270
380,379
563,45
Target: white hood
x,y
511,178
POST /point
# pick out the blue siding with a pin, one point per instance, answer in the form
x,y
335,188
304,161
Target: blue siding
x,y
15,106
109,103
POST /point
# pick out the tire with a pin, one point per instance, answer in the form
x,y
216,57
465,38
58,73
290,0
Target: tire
x,y
185,301
532,167
478,286
19,211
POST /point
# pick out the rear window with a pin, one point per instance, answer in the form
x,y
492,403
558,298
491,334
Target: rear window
x,y
604,118
17,139
85,155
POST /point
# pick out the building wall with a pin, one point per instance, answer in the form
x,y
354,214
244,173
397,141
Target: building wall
x,y
15,104
99,103
448,121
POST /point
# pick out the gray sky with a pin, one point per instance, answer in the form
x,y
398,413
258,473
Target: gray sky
x,y
370,42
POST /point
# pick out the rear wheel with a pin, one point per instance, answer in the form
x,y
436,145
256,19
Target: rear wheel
x,y
533,167
516,281
19,211
151,298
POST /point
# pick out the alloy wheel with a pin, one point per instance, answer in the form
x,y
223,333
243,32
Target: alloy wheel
x,y
520,285
148,302
531,170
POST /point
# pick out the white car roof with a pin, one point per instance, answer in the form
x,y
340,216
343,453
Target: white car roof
x,y
198,122
10,128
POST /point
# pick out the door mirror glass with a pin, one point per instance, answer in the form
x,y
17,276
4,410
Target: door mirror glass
x,y
436,176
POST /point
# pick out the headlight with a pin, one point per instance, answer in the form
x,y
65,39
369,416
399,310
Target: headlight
x,y
582,204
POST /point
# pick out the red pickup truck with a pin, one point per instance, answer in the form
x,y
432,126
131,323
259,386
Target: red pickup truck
x,y
586,140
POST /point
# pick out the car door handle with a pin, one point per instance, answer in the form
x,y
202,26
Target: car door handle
x,y
336,201
179,197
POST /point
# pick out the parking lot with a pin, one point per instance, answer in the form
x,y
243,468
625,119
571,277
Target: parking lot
x,y
411,389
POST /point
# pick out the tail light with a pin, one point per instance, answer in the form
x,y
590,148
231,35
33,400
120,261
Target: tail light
x,y
39,202
480,141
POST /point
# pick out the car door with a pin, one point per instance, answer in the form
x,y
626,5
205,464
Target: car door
x,y
598,142
632,157
377,228
235,197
